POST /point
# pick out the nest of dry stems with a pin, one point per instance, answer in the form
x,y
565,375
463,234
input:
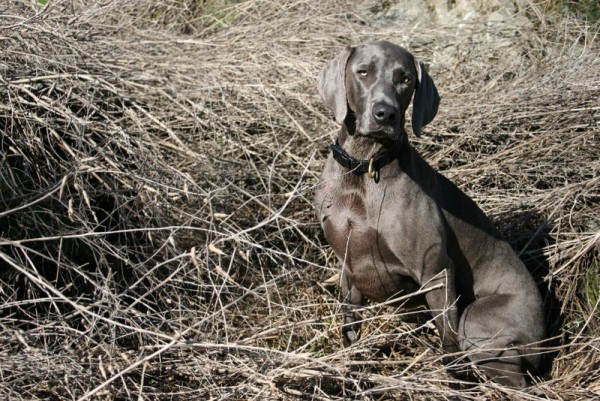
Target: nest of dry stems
x,y
158,165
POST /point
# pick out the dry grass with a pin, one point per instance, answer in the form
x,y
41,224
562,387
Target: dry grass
x,y
158,165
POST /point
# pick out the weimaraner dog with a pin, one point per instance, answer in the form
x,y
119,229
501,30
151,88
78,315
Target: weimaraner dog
x,y
398,226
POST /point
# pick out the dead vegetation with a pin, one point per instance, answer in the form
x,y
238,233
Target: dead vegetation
x,y
157,236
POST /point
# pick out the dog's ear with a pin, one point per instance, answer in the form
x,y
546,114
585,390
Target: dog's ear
x,y
332,85
425,101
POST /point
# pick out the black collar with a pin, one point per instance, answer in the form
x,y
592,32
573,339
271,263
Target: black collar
x,y
371,166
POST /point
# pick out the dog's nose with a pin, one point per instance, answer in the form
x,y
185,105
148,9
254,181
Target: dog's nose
x,y
384,113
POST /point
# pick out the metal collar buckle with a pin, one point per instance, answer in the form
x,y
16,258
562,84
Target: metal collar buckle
x,y
372,172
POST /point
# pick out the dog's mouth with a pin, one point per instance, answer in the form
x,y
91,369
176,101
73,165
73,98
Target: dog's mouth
x,y
384,133
368,128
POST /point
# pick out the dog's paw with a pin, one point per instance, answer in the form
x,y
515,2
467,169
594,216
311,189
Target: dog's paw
x,y
349,336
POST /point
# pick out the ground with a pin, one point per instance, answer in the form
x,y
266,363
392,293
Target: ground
x,y
158,238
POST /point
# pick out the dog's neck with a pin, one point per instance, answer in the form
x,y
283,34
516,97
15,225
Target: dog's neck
x,y
362,154
364,148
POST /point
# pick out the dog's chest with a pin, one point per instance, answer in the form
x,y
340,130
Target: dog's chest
x,y
345,222
364,231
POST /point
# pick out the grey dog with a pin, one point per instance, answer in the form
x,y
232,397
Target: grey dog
x,y
398,226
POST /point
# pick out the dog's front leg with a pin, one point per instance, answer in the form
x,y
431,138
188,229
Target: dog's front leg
x,y
351,299
441,300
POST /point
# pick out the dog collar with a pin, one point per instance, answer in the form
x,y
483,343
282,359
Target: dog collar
x,y
371,166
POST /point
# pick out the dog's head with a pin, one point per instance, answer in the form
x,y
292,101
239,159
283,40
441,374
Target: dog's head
x,y
373,84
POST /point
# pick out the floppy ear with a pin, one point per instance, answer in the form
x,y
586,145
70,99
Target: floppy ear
x,y
332,85
425,101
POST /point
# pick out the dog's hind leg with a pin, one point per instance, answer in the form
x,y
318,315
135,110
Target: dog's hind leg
x,y
496,340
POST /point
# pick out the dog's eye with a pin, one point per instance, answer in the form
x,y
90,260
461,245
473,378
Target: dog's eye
x,y
405,80
362,73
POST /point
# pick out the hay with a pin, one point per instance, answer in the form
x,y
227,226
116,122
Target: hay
x,y
158,165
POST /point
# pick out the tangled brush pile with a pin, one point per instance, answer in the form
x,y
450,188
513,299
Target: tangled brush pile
x,y
157,234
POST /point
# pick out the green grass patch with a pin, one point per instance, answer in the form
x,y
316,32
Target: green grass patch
x,y
587,10
220,12
590,287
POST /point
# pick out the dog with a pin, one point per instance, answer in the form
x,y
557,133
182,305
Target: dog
x,y
397,226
